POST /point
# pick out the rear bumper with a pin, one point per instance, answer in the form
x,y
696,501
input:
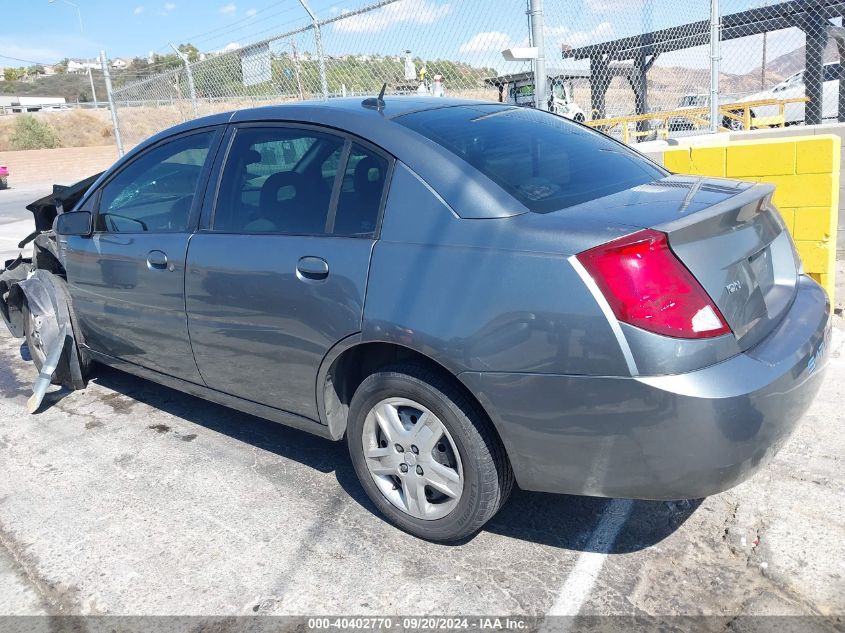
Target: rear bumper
x,y
665,437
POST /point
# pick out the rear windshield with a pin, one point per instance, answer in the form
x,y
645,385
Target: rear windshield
x,y
543,160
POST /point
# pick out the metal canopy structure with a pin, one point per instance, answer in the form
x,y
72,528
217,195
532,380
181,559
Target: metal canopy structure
x,y
811,16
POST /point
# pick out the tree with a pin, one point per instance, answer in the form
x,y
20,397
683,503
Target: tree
x,y
10,74
190,51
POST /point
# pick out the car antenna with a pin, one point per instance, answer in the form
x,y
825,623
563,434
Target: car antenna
x,y
376,103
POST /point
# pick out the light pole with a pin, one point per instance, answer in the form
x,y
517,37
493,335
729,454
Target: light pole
x,y
78,12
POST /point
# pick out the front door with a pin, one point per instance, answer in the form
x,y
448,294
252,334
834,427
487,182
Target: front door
x,y
127,279
280,275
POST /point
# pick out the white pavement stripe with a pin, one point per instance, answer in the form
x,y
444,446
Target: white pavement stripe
x,y
583,576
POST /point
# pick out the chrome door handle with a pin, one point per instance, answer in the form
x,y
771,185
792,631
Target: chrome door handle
x,y
156,260
312,268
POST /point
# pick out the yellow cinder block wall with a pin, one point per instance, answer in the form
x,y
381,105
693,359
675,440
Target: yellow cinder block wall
x,y
805,172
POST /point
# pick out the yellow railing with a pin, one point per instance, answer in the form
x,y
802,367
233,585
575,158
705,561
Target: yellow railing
x,y
698,118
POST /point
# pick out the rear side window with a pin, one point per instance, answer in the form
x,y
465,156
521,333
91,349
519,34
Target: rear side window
x,y
360,193
544,161
155,192
277,180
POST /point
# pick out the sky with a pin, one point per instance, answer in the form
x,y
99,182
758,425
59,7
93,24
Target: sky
x,y
471,30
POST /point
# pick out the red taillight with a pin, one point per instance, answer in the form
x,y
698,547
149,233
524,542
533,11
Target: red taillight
x,y
647,286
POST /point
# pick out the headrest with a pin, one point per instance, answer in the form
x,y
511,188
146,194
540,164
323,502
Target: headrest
x,y
361,178
270,188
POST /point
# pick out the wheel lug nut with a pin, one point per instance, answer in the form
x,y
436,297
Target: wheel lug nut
x,y
419,470
414,449
403,467
400,448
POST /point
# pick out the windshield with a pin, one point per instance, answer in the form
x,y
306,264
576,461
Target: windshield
x,y
544,161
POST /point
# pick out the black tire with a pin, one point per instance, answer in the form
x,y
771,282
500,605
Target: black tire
x,y
488,478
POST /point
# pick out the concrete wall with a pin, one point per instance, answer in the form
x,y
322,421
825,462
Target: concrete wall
x,y
805,171
62,166
655,149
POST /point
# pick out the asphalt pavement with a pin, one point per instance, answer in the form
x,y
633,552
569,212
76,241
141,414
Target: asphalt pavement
x,y
129,498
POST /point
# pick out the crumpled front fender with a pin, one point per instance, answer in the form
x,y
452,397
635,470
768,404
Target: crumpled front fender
x,y
48,300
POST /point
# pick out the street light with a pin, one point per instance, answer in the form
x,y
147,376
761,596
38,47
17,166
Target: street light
x,y
78,12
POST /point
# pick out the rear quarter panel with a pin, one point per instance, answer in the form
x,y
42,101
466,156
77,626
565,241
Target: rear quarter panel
x,y
481,295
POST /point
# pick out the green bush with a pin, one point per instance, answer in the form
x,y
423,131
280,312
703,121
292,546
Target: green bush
x,y
30,133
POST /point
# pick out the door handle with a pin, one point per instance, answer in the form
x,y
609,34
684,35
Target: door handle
x,y
312,268
156,260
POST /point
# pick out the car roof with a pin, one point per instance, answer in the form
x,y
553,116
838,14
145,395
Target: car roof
x,y
468,192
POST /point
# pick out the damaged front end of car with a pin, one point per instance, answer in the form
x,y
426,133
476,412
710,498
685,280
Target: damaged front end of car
x,y
34,298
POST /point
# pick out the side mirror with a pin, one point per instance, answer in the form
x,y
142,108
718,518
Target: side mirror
x,y
74,223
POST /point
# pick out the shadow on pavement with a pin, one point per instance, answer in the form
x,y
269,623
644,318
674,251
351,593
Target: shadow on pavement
x,y
563,521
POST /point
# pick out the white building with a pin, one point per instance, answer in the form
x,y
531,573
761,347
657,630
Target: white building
x,y
119,64
79,66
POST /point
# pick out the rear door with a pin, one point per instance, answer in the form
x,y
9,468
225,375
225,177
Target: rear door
x,y
128,277
278,275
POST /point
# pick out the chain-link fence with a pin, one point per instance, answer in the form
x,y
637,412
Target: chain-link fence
x,y
636,68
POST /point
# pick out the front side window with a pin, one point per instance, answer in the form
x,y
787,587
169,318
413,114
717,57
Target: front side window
x,y
155,192
542,160
277,180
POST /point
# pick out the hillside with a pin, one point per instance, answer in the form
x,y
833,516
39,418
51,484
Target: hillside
x,y
793,61
71,87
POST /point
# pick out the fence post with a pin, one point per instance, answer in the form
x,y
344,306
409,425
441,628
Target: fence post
x,y
318,40
93,92
715,58
190,75
540,79
104,61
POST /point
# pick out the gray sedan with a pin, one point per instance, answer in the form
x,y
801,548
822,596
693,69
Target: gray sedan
x,y
471,294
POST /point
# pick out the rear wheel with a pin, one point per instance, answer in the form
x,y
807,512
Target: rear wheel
x,y
425,455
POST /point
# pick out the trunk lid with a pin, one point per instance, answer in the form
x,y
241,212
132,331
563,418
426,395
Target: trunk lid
x,y
727,233
740,251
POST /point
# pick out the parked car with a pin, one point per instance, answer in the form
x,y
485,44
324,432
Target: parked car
x,y
4,177
470,293
699,101
793,86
